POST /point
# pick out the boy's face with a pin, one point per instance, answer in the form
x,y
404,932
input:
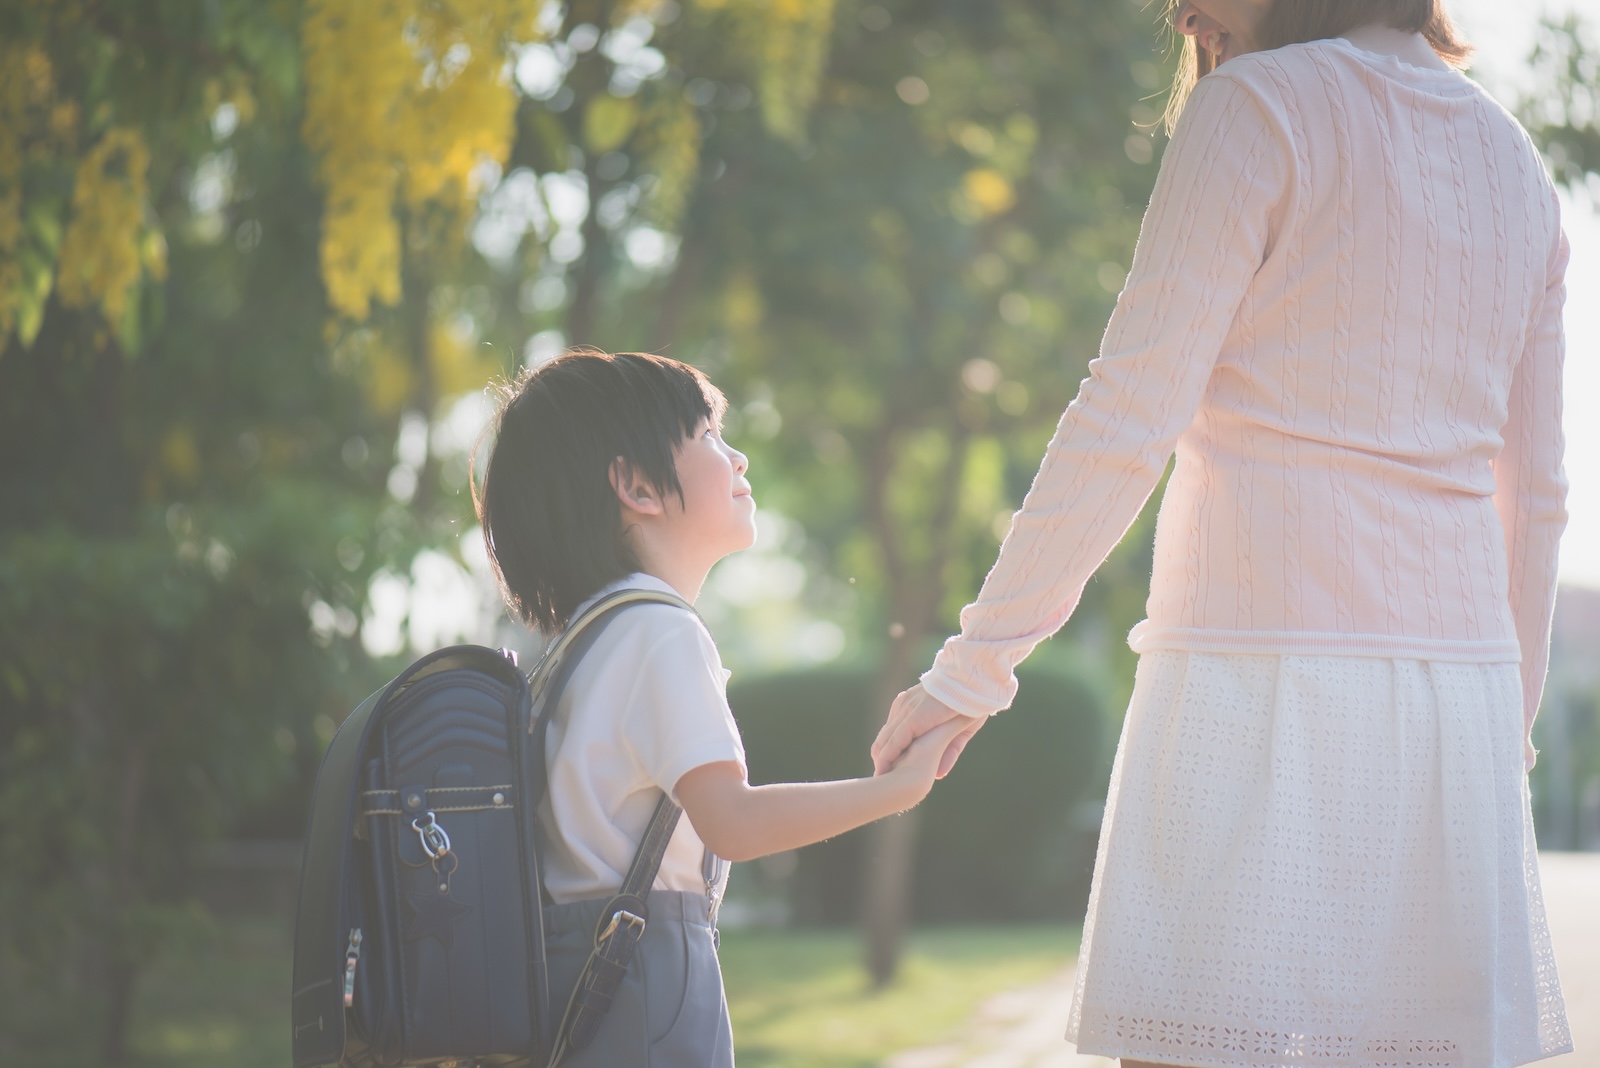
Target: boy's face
x,y
718,512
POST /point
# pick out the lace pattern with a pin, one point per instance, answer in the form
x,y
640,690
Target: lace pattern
x,y
1319,860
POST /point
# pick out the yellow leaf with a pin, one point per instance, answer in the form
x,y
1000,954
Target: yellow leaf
x,y
180,458
988,191
388,380
742,305
459,361
608,123
100,253
405,103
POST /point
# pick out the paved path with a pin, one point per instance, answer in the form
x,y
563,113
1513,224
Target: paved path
x,y
1023,1028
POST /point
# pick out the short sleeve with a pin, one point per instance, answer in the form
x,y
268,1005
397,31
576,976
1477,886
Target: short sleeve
x,y
678,717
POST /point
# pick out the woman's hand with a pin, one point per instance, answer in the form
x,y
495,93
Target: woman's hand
x,y
914,713
921,762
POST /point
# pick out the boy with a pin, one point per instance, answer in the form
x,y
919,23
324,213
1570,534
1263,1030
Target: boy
x,y
609,472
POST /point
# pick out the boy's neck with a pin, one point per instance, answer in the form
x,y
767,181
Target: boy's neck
x,y
684,576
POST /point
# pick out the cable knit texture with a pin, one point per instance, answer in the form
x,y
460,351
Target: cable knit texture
x,y
1344,316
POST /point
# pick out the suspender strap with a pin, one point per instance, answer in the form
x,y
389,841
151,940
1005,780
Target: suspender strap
x,y
616,936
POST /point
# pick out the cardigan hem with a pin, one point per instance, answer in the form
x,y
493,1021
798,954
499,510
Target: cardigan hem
x,y
1146,637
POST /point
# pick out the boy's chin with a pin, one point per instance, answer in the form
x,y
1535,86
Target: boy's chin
x,y
746,537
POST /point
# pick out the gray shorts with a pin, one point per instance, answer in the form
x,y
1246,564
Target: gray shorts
x,y
670,1011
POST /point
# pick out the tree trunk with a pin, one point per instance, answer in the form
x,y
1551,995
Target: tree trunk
x,y
891,844
122,969
119,1003
680,288
583,314
915,590
417,317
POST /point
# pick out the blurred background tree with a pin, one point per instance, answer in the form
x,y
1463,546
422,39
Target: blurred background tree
x,y
1562,111
237,286
192,509
251,253
904,299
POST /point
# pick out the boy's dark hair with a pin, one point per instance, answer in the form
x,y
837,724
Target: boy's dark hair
x,y
551,518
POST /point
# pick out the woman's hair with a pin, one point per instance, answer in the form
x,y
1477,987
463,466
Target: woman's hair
x,y
551,518
1296,21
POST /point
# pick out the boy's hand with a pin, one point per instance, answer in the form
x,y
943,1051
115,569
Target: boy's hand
x,y
918,766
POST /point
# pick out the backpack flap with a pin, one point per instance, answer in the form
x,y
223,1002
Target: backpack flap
x,y
330,934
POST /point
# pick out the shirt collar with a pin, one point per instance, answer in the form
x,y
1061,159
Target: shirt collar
x,y
636,581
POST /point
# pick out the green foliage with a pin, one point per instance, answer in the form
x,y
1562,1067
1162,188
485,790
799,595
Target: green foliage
x,y
1002,838
184,504
902,304
99,106
916,290
1563,112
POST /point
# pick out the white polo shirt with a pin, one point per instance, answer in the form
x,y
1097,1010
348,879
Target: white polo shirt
x,y
647,703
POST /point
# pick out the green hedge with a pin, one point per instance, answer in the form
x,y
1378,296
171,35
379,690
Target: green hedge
x,y
1004,837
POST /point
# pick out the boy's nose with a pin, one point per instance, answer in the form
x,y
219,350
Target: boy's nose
x,y
741,462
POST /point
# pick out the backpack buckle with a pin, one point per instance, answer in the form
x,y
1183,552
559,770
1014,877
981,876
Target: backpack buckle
x,y
618,918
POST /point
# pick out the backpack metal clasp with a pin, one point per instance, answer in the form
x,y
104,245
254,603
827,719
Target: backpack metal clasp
x,y
436,843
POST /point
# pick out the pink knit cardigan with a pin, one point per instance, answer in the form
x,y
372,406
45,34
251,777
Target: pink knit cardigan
x,y
1344,315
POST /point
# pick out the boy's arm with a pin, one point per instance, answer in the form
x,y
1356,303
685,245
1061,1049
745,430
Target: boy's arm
x,y
738,821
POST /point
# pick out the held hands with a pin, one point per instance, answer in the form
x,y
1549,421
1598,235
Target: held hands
x,y
918,765
913,716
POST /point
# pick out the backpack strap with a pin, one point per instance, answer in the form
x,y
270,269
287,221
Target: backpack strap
x,y
549,677
616,936
623,919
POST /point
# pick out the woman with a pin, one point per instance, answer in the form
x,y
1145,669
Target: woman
x,y
1344,316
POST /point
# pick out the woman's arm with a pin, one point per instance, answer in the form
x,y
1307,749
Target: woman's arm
x,y
1223,186
1531,489
738,821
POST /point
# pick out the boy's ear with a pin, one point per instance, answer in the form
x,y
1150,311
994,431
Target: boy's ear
x,y
633,489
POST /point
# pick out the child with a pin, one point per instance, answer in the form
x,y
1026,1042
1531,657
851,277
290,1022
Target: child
x,y
609,472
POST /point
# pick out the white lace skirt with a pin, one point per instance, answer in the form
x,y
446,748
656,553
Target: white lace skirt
x,y
1318,860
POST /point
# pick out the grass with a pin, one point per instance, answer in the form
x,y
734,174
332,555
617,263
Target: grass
x,y
221,1001
798,998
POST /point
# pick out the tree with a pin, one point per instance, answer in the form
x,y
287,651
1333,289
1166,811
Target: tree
x,y
192,504
916,286
1563,111
240,266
